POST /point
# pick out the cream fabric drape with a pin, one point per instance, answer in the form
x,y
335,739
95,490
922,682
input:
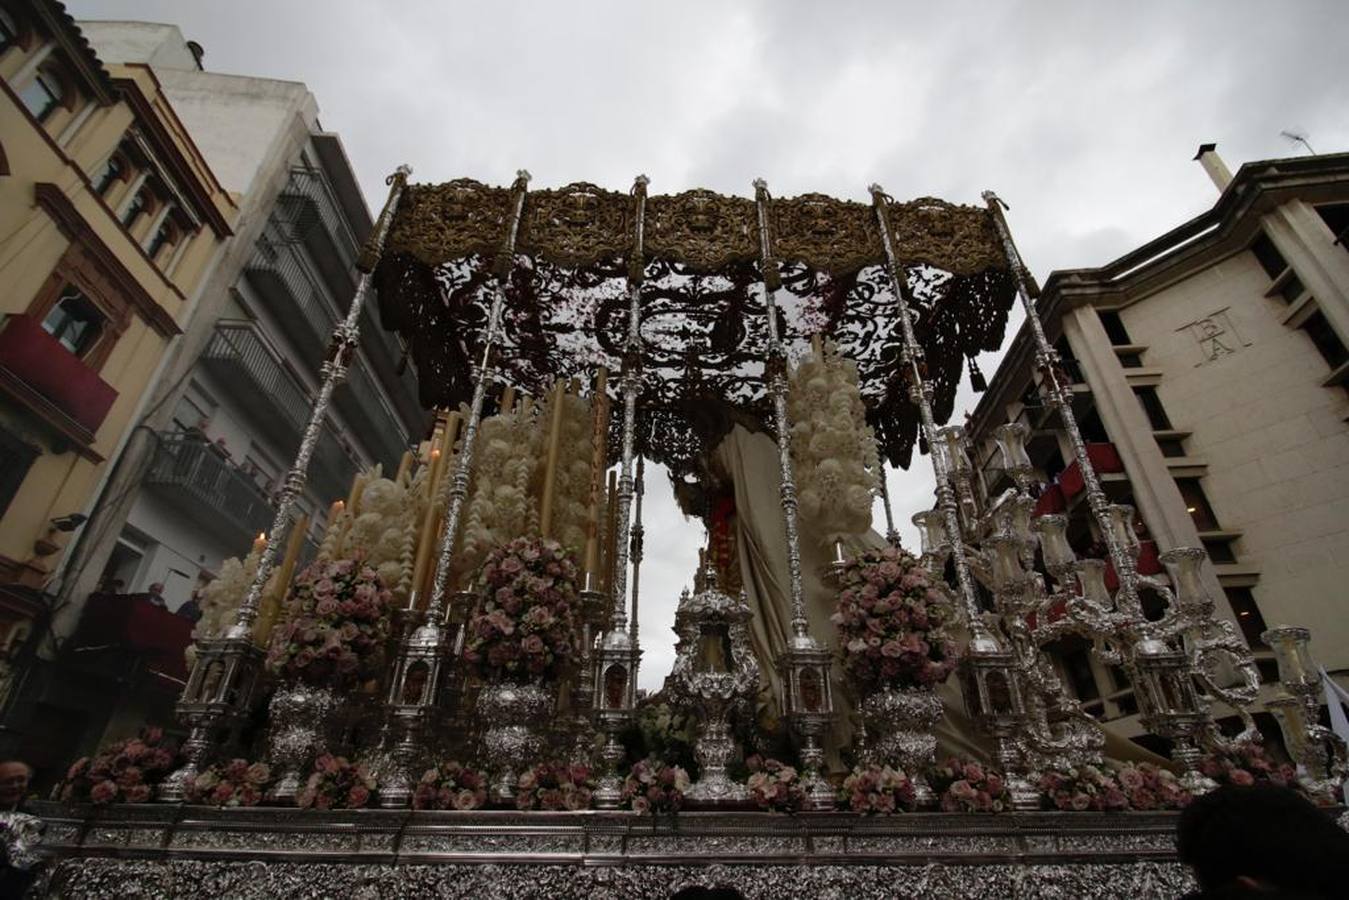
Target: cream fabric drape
x,y
749,461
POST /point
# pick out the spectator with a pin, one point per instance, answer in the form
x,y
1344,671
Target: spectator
x,y
22,832
155,595
1262,840
191,610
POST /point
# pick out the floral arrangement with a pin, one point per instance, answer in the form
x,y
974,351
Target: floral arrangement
x,y
235,783
336,783
124,772
555,786
878,789
336,626
833,449
966,786
774,785
450,786
892,622
653,787
1246,763
219,601
1146,786
527,626
1081,789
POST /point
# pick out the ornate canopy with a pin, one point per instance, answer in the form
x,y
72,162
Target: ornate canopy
x,y
703,313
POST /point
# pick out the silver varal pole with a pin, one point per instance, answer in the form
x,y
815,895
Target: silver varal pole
x,y
1057,393
340,349
484,376
636,544
618,643
803,650
920,394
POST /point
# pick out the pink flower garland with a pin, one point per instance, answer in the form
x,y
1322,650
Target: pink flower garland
x,y
653,787
450,786
527,626
336,783
555,786
1147,787
336,627
124,772
892,622
967,786
235,783
878,789
774,785
1081,789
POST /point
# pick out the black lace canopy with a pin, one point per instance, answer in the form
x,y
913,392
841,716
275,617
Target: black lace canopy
x,y
703,313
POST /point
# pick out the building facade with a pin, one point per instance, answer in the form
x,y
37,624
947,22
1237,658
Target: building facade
x,y
111,221
1209,370
224,420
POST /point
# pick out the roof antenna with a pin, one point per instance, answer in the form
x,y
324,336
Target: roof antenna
x,y
1297,136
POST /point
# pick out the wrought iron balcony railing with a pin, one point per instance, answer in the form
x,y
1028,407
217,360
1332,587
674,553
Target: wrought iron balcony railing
x,y
199,479
240,359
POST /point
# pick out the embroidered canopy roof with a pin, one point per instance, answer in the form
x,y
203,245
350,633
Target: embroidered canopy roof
x,y
703,312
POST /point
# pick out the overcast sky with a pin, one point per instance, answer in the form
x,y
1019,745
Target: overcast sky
x,y
1083,116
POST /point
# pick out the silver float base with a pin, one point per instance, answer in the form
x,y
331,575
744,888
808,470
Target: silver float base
x,y
190,851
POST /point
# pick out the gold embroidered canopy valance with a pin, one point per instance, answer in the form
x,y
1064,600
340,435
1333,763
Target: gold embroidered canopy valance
x,y
703,326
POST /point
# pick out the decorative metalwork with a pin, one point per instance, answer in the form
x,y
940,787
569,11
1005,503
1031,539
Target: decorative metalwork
x,y
701,329
421,649
901,726
716,673
512,714
619,653
300,718
1319,752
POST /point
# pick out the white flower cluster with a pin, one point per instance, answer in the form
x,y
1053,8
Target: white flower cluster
x,y
220,600
500,504
571,497
834,453
386,512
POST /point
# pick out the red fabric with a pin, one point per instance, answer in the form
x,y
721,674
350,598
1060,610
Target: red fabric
x,y
1104,459
39,360
130,621
1146,564
1051,501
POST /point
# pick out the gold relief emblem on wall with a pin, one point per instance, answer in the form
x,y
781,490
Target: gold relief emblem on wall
x,y
701,229
960,239
438,223
576,225
825,233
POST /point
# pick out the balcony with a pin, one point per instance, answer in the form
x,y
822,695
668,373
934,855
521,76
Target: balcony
x,y
310,214
238,357
277,274
1104,459
191,474
53,383
130,623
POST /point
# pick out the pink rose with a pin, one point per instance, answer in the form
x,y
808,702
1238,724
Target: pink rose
x,y
465,800
103,792
1242,777
358,797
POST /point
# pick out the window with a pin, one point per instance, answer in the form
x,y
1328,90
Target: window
x,y
42,95
1336,217
1152,406
9,30
194,411
1114,326
1171,447
165,236
140,204
1093,432
1131,360
1326,340
1196,504
16,457
1292,289
1219,550
113,169
1269,257
74,321
1248,614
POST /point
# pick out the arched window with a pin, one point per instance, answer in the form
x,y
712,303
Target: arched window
x,y
166,236
115,168
74,321
139,206
43,94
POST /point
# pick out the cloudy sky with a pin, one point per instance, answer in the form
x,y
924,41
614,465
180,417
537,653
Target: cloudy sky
x,y
1083,116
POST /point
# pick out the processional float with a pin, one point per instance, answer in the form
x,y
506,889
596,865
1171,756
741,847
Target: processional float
x,y
697,296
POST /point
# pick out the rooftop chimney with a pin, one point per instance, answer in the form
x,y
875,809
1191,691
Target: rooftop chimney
x,y
1213,164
